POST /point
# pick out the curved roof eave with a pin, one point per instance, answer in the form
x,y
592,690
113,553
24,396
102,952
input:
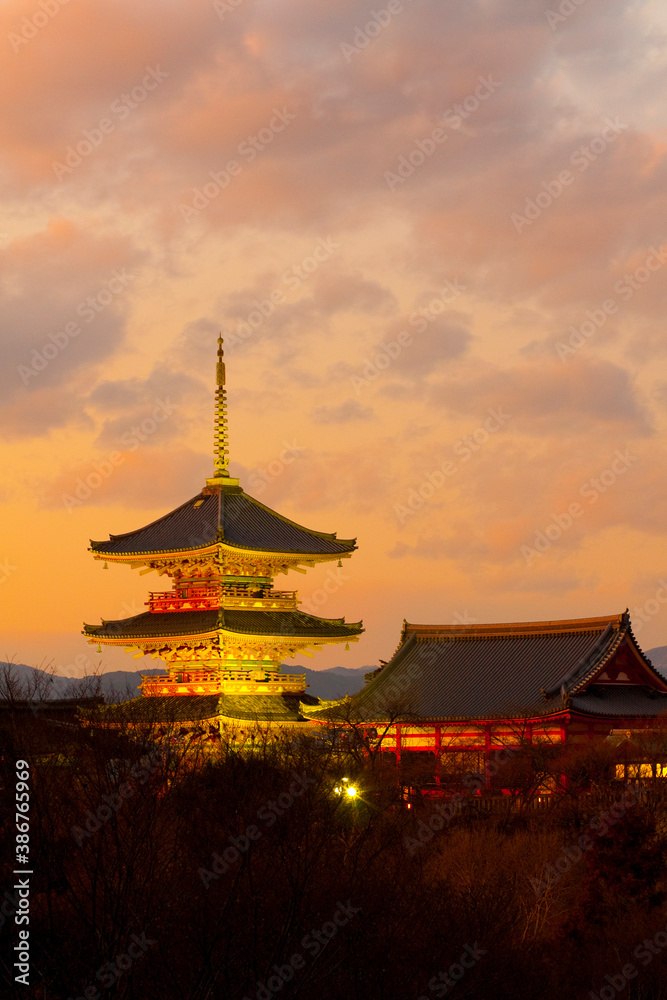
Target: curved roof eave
x,y
201,624
232,518
327,535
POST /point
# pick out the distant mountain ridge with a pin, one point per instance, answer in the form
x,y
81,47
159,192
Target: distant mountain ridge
x,y
329,684
658,657
336,682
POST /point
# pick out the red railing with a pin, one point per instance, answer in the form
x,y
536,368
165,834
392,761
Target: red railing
x,y
214,682
239,597
184,598
209,598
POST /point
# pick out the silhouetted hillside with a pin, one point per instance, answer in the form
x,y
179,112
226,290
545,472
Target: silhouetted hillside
x,y
335,682
658,657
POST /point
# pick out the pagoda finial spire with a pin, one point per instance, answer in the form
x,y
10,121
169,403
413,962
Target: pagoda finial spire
x,y
221,475
221,444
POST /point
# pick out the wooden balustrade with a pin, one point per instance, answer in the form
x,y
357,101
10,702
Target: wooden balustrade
x,y
215,682
210,598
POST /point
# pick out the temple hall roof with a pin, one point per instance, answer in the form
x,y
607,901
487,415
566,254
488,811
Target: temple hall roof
x,y
245,622
512,670
601,699
228,515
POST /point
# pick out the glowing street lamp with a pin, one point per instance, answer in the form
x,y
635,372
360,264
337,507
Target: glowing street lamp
x,y
345,788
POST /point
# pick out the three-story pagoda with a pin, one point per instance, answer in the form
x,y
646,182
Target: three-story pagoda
x,y
223,629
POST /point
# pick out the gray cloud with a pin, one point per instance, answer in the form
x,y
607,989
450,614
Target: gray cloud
x,y
140,478
550,396
153,410
66,298
345,413
336,292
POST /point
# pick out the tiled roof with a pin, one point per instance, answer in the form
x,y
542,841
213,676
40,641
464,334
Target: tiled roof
x,y
505,670
297,623
246,622
202,708
148,625
265,708
602,699
230,516
184,708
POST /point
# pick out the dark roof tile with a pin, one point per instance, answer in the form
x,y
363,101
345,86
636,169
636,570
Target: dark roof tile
x,y
620,699
202,708
151,625
495,671
231,516
265,708
161,710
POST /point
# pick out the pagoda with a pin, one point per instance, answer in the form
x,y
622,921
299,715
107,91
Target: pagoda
x,y
222,629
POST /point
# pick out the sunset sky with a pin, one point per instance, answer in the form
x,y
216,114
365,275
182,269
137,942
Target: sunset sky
x,y
433,234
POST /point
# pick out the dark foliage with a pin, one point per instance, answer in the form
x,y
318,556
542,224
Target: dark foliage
x,y
166,870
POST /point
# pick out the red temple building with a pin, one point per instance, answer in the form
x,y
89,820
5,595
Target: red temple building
x,y
465,691
222,629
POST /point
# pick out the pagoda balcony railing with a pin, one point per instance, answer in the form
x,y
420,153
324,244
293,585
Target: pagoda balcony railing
x,y
259,599
184,599
215,682
211,598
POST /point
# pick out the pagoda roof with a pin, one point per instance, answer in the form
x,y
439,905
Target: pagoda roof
x,y
245,622
515,670
157,710
226,515
265,707
202,708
